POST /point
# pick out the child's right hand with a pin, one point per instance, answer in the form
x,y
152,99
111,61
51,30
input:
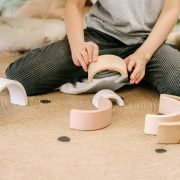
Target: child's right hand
x,y
85,54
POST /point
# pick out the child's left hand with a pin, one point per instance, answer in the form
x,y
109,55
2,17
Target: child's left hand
x,y
136,63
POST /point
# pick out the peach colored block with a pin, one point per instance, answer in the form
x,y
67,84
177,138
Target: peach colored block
x,y
92,119
169,133
170,108
107,62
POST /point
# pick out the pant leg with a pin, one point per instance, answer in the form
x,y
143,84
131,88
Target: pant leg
x,y
45,69
163,70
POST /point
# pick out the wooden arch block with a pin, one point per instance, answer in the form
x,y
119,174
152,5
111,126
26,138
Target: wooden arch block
x,y
16,90
107,62
169,133
99,118
166,125
109,94
92,119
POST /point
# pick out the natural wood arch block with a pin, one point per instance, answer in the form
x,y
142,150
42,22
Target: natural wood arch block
x,y
109,94
165,126
92,119
16,90
169,133
107,62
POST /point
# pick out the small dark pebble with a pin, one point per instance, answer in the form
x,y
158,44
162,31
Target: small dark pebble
x,y
45,101
64,139
160,150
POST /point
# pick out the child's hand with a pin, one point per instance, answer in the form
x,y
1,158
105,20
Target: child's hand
x,y
85,54
136,63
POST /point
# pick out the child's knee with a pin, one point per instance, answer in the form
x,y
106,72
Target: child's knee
x,y
170,85
14,73
11,72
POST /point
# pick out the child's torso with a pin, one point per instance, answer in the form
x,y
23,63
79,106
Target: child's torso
x,y
129,18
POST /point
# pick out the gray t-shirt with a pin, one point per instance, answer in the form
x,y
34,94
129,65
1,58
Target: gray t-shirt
x,y
130,21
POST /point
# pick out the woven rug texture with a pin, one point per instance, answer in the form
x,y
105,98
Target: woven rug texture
x,y
30,149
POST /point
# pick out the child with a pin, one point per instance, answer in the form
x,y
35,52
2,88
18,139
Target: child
x,y
134,30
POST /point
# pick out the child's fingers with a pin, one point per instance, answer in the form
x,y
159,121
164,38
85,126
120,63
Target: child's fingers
x,y
76,62
139,73
83,64
131,64
95,52
135,72
85,56
140,77
89,49
126,60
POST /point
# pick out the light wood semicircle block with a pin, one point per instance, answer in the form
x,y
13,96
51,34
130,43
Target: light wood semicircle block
x,y
107,62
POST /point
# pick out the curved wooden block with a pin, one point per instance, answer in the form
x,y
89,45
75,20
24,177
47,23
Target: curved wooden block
x,y
16,90
92,119
109,94
167,125
152,122
107,62
169,133
169,104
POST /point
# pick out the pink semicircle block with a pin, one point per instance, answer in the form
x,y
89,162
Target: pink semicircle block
x,y
92,119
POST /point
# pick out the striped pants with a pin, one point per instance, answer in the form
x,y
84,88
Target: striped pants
x,y
45,69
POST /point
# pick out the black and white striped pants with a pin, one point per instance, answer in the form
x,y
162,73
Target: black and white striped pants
x,y
45,69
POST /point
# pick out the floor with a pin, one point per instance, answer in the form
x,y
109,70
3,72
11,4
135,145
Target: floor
x,y
36,142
